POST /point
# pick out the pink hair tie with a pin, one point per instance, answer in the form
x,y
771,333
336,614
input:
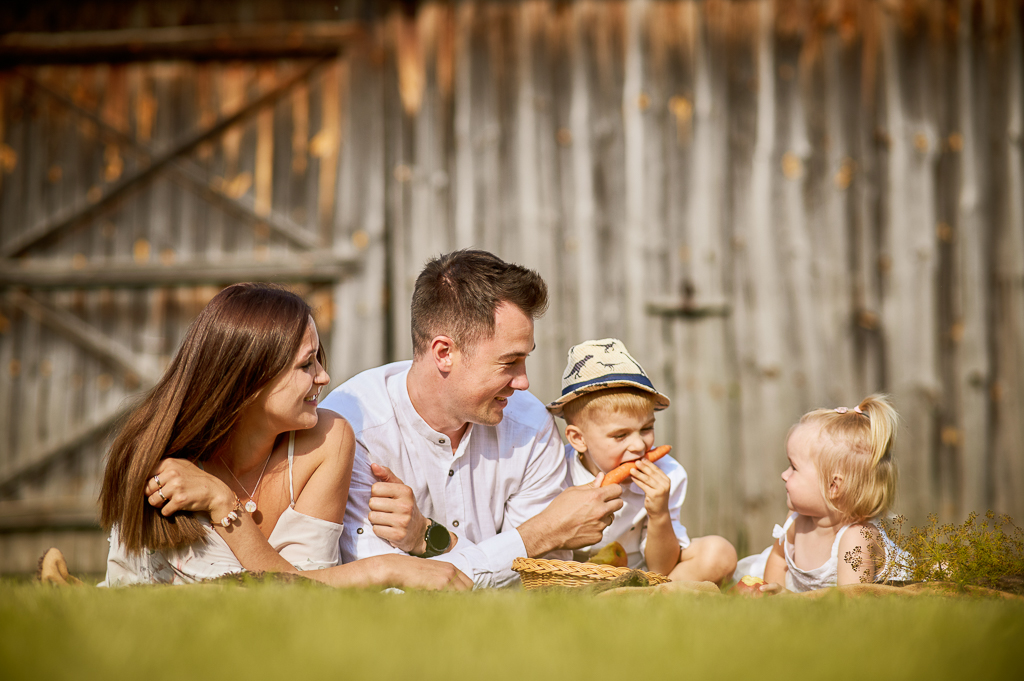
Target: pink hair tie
x,y
844,410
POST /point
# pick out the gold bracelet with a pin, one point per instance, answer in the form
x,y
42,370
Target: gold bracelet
x,y
233,515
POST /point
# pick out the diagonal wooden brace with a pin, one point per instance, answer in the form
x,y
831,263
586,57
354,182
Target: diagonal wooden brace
x,y
186,173
137,180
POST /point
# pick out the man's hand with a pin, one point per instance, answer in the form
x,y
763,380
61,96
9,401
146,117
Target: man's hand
x,y
575,518
394,514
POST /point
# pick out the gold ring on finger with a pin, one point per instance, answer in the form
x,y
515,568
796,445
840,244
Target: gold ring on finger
x,y
157,479
161,493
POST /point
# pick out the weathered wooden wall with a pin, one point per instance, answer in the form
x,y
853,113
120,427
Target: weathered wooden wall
x,y
776,205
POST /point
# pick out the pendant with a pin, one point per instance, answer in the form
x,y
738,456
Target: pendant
x,y
250,507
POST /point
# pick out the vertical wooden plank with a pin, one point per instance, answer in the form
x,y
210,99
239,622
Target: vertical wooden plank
x,y
908,305
526,163
832,382
761,314
1007,463
7,158
207,235
359,336
866,185
632,247
24,372
63,172
491,74
583,228
428,234
326,144
697,350
658,36
464,165
12,98
551,73
675,26
263,172
968,433
802,345
296,184
610,44
539,235
402,268
8,397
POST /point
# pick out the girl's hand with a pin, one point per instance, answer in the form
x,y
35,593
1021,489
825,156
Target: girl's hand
x,y
179,485
655,484
772,589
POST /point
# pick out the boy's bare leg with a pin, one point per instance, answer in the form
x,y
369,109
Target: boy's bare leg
x,y
706,559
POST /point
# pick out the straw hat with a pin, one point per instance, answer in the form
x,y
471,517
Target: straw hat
x,y
601,364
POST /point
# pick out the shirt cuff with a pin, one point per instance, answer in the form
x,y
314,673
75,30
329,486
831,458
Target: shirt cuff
x,y
489,563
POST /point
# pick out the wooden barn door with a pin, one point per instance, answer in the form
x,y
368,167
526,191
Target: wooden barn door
x,y
129,195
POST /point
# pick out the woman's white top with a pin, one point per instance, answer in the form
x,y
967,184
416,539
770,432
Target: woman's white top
x,y
306,542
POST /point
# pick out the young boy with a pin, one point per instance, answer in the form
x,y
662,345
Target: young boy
x,y
608,404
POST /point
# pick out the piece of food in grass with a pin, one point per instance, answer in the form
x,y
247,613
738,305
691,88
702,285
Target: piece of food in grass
x,y
613,554
621,472
750,586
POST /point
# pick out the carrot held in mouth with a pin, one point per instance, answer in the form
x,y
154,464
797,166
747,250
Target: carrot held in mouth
x,y
621,472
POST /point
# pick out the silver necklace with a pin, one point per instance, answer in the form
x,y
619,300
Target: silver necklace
x,y
250,506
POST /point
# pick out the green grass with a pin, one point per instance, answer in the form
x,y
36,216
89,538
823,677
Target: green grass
x,y
303,632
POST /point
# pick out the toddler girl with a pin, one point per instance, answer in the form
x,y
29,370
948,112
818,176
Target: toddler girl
x,y
841,478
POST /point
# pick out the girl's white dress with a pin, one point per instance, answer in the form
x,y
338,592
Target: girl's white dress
x,y
306,542
798,579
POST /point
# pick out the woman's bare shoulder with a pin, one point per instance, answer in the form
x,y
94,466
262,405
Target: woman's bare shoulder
x,y
332,434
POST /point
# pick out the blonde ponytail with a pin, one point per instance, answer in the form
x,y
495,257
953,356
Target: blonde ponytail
x,y
884,422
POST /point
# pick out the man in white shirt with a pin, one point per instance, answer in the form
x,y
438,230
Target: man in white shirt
x,y
455,461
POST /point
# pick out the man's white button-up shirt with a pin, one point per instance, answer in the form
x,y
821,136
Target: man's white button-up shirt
x,y
499,477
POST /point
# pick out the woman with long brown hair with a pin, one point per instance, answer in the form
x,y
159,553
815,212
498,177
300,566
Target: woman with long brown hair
x,y
228,465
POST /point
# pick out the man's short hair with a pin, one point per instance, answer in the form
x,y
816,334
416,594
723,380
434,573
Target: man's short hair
x,y
458,294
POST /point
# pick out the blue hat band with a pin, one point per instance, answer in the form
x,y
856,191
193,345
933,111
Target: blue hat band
x,y
609,378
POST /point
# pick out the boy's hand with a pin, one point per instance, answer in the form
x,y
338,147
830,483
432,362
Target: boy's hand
x,y
655,484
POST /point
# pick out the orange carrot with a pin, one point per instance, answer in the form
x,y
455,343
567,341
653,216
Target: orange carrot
x,y
621,472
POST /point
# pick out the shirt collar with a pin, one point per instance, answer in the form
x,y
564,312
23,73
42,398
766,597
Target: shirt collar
x,y
579,471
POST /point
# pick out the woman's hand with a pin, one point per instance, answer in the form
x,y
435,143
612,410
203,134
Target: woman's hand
x,y
179,485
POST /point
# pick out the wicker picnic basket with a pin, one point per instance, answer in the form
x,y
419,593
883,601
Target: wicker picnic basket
x,y
539,572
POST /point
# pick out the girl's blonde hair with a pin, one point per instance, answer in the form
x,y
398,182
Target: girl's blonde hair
x,y
588,406
857,444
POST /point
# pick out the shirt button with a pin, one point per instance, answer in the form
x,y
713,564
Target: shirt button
x,y
359,531
451,473
455,523
441,441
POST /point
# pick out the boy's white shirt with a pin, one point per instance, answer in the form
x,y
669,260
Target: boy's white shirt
x,y
629,527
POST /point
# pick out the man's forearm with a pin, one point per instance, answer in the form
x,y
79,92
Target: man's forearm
x,y
539,537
